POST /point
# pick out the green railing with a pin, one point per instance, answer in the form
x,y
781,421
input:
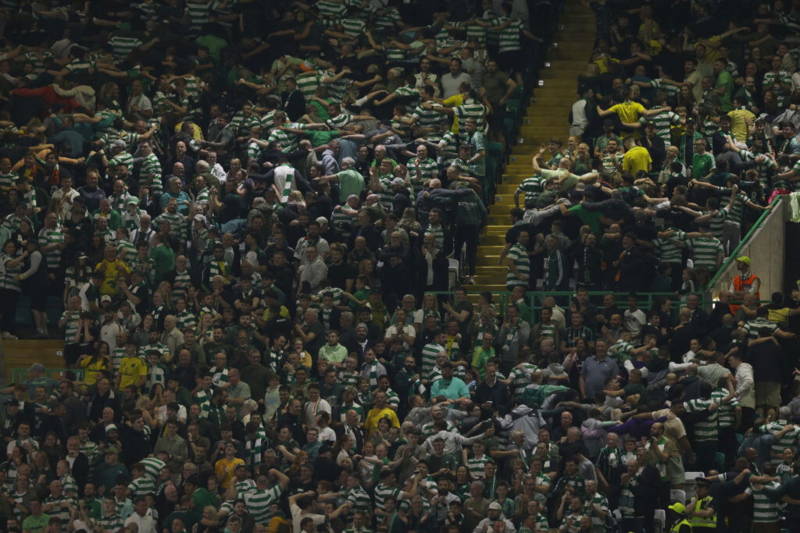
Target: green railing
x,y
742,243
534,299
644,300
499,298
20,375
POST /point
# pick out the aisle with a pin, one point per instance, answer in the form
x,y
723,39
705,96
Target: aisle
x,y
545,119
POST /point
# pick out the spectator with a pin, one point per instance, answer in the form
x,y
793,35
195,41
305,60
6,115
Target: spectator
x,y
248,212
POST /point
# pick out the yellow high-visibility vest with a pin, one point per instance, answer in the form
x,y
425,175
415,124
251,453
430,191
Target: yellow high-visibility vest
x,y
699,521
676,528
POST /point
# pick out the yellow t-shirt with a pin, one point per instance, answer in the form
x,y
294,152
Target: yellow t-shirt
x,y
628,111
454,101
306,360
740,119
197,131
649,32
269,314
636,159
604,63
131,369
225,469
94,369
713,52
375,415
112,270
779,316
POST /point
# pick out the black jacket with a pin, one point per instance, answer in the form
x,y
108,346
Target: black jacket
x,y
97,403
420,269
645,494
80,471
657,149
497,394
294,103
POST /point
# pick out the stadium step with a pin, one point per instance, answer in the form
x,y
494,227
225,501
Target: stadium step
x,y
545,118
21,354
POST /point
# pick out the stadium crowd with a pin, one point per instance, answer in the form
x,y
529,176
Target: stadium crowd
x,y
247,210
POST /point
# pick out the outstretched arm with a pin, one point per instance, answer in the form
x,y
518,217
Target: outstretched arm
x,y
655,110
604,112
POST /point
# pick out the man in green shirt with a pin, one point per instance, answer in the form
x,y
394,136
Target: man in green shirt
x,y
588,217
214,44
723,85
37,521
201,497
483,353
350,180
320,137
333,352
702,162
163,259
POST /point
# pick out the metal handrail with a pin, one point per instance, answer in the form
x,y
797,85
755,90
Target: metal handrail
x,y
646,300
20,375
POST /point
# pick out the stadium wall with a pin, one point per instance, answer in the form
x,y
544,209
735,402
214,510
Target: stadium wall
x,y
765,244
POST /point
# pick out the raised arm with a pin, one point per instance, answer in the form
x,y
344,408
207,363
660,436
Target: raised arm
x,y
535,161
283,479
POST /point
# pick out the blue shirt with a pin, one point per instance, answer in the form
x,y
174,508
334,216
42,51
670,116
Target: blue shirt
x,y
452,389
181,197
596,372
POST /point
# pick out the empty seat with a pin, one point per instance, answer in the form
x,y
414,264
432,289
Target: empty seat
x,y
677,495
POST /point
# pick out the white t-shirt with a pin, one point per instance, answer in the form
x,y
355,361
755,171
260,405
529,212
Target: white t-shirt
x,y
298,515
312,409
451,83
393,330
327,435
109,333
145,524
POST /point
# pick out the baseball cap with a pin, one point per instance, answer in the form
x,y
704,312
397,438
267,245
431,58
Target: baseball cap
x,y
494,506
678,507
743,259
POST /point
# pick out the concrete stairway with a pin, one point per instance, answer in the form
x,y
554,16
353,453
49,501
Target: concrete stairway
x,y
546,118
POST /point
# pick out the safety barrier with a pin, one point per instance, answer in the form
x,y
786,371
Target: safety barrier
x,y
533,299
765,245
20,375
